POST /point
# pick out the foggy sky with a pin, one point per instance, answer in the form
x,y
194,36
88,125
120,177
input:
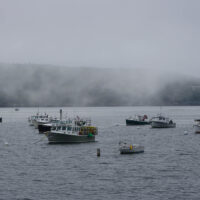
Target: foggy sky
x,y
102,33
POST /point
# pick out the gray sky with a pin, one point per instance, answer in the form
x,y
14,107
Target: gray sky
x,y
102,33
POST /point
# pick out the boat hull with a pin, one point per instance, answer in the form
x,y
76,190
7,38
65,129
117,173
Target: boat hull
x,y
197,128
38,123
130,122
139,149
42,128
155,124
55,137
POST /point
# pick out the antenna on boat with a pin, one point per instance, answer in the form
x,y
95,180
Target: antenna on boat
x,y
60,114
38,110
160,110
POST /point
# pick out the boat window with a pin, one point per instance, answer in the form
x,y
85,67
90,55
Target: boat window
x,y
69,128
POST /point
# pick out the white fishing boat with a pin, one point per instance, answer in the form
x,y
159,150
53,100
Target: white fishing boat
x,y
43,120
32,119
162,122
46,124
44,127
197,126
125,148
71,133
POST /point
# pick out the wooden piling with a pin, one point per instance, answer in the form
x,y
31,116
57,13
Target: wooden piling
x,y
98,152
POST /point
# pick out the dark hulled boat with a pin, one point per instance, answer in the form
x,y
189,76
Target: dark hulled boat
x,y
42,128
138,120
135,122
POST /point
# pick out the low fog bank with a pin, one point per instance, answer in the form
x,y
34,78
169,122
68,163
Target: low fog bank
x,y
42,85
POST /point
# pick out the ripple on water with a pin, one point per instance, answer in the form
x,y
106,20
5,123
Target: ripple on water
x,y
168,169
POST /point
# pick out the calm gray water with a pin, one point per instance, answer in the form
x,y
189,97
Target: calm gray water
x,y
169,168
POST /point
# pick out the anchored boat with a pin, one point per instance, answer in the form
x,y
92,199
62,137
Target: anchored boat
x,y
40,121
37,119
125,148
137,120
162,122
44,127
70,133
33,118
77,121
197,126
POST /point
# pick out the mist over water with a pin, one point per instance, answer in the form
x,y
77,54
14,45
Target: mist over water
x,y
43,85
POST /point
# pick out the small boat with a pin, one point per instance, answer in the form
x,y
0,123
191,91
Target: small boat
x,y
137,120
16,109
125,148
197,126
0,119
42,128
70,133
42,120
45,127
33,119
162,122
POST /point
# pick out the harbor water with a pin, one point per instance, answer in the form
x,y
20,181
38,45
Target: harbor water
x,y
32,169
